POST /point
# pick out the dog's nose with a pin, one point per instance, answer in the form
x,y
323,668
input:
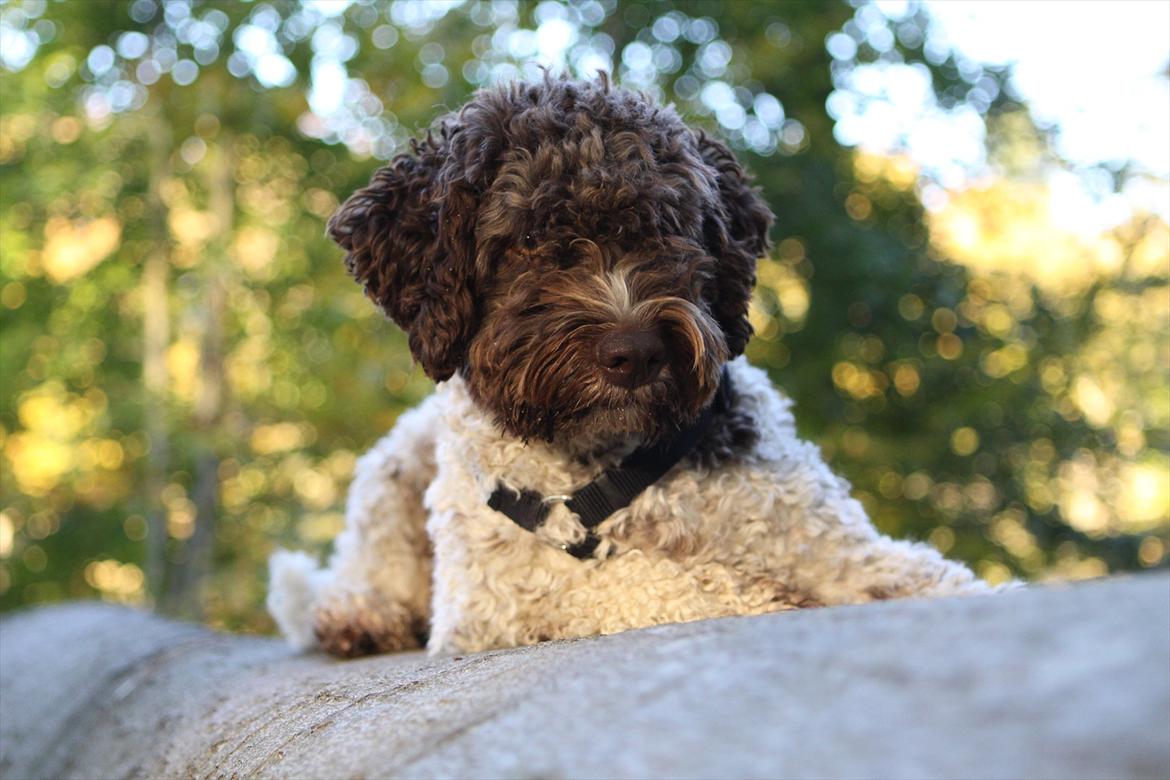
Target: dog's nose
x,y
631,358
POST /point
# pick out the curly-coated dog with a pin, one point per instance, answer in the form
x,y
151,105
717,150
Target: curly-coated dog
x,y
573,265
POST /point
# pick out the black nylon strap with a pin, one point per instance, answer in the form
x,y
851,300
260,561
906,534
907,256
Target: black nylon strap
x,y
526,508
616,487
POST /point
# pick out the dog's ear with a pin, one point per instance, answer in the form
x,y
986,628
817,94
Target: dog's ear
x,y
409,237
736,233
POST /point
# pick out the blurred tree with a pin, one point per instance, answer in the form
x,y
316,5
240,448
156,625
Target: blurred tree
x,y
188,374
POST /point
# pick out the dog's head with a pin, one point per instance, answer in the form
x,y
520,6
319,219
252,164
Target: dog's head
x,y
577,253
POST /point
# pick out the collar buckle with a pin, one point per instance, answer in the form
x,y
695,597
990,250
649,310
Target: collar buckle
x,y
614,488
558,499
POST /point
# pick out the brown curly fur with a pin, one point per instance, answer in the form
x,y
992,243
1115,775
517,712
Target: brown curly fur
x,y
497,244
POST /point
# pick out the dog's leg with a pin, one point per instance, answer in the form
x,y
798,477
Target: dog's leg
x,y
374,596
821,543
873,567
848,561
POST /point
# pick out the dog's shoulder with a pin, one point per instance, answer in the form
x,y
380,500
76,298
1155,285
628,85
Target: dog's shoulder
x,y
406,452
754,419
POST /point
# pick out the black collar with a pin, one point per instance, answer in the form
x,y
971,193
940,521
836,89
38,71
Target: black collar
x,y
616,487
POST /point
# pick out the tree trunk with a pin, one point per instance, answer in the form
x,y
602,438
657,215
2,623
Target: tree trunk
x,y
156,336
194,566
1068,682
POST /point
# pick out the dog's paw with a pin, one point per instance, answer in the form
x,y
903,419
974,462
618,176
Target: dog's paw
x,y
348,628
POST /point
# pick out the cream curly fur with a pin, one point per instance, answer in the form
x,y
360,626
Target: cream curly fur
x,y
770,531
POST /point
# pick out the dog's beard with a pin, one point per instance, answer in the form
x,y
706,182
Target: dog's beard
x,y
540,379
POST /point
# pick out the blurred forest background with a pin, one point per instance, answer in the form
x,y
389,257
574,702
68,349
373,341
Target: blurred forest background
x,y
188,375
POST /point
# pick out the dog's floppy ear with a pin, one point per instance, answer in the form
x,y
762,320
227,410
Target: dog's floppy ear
x,y
736,234
409,236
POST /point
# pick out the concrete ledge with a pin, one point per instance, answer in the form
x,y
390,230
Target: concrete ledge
x,y
1049,682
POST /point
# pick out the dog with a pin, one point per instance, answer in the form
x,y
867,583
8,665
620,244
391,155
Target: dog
x,y
573,266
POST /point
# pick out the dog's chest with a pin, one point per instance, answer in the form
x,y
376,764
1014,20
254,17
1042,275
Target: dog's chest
x,y
477,467
690,513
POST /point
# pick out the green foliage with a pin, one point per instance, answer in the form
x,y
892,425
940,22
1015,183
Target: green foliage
x,y
188,374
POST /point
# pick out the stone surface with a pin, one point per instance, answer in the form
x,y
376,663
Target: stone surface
x,y
1049,682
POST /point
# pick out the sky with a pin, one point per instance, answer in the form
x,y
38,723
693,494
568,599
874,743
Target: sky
x,y
1095,70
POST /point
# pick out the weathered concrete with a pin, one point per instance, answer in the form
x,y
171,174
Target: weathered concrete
x,y
1052,682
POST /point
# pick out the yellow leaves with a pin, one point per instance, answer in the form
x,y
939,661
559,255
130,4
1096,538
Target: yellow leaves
x,y
66,129
248,371
315,486
1070,565
41,454
1103,496
320,527
764,325
898,170
781,299
183,368
15,131
998,363
871,349
236,492
1151,551
100,453
280,437
7,534
916,486
944,320
911,307
181,511
1053,376
271,201
47,448
1131,436
942,539
964,441
855,442
1145,495
993,572
858,206
1008,531
321,203
190,227
49,411
254,249
73,247
789,287
1093,402
859,381
792,293
998,321
949,346
37,462
1081,509
316,489
906,379
173,191
791,251
1008,226
34,558
1150,255
122,582
13,295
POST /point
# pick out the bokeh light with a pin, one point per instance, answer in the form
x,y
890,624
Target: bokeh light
x,y
974,321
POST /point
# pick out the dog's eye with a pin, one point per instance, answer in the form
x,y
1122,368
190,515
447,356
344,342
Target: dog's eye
x,y
529,241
